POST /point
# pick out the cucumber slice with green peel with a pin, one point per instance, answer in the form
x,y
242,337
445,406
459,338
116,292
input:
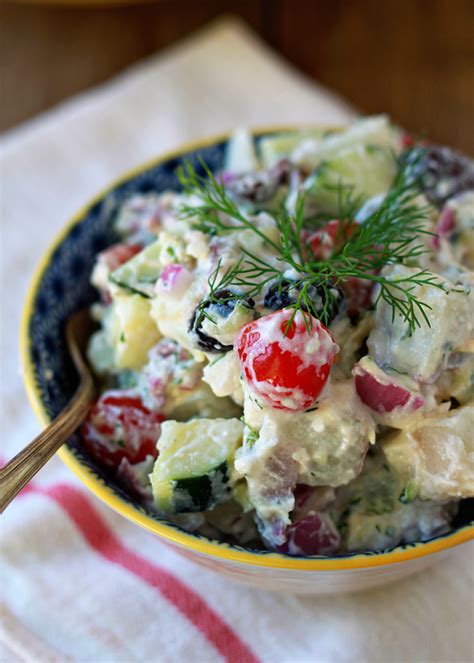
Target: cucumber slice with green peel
x,y
375,130
140,274
360,172
201,493
274,148
192,471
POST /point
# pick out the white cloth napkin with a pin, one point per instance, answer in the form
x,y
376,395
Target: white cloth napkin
x,y
79,582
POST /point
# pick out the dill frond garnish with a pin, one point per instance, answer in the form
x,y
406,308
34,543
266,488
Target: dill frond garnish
x,y
217,208
389,235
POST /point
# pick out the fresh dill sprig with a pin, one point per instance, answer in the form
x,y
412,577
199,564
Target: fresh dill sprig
x,y
217,209
389,235
252,434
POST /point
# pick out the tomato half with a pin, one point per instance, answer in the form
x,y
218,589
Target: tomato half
x,y
120,426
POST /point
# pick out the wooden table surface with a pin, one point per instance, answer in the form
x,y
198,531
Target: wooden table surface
x,y
411,58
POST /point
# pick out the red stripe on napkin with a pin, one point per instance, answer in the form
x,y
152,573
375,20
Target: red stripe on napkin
x,y
101,538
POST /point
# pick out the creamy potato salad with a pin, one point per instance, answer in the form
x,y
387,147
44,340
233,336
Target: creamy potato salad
x,y
285,348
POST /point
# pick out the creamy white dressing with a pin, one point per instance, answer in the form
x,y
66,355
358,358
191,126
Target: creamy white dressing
x,y
222,374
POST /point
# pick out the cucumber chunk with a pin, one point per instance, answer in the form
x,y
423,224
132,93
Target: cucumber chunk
x,y
200,492
274,148
375,130
362,172
192,471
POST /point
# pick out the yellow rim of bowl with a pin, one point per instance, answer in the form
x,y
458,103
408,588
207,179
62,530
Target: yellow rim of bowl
x,y
181,538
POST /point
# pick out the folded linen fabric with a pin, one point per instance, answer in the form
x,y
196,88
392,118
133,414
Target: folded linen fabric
x,y
79,582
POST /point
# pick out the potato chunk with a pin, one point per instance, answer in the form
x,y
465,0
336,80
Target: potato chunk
x,y
423,354
436,455
132,331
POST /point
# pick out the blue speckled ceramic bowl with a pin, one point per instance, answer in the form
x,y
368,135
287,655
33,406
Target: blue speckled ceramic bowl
x,y
61,286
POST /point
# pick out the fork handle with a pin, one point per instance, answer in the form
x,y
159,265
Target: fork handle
x,y
23,467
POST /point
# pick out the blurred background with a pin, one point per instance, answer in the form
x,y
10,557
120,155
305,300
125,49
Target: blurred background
x,y
411,58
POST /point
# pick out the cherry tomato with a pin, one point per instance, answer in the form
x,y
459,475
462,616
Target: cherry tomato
x,y
358,294
323,242
315,534
332,236
118,254
286,365
120,426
